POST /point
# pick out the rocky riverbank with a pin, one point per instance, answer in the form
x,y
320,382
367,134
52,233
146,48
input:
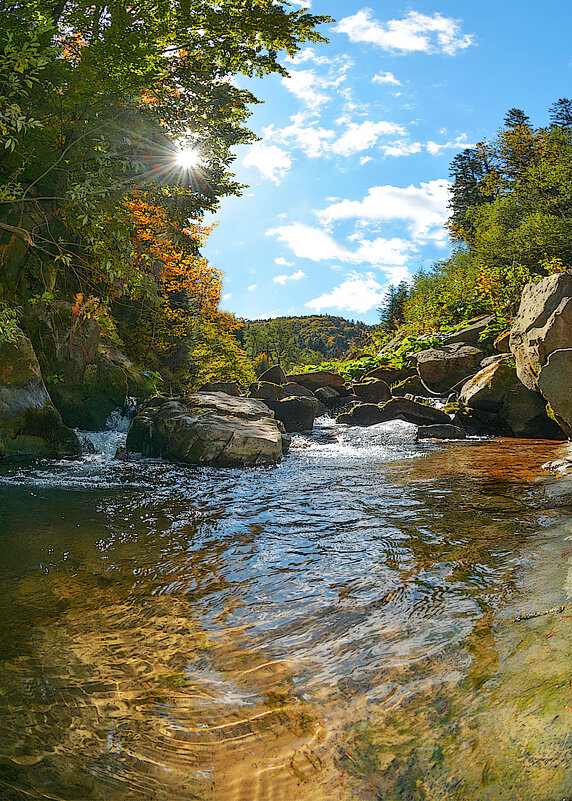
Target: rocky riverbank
x,y
59,374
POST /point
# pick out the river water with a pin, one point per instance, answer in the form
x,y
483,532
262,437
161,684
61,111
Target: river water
x,y
355,623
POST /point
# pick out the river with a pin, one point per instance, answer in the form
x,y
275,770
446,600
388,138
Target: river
x,y
359,622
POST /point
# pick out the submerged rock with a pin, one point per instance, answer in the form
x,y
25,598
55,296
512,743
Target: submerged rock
x,y
30,425
207,429
444,431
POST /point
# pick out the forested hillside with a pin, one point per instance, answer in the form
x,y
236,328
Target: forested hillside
x,y
301,340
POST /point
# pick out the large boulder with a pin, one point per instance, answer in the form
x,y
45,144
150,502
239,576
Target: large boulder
x,y
524,412
442,368
30,425
543,324
511,407
413,412
207,429
265,390
295,413
84,383
319,378
487,389
373,391
275,375
555,384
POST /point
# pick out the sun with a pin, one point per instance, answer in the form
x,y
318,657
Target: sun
x,y
188,158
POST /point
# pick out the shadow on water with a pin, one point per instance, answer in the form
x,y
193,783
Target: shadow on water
x,y
341,627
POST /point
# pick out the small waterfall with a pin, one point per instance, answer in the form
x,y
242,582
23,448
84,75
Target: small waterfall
x,y
101,446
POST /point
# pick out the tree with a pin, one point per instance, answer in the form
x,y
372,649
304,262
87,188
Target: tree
x,y
107,94
391,311
560,113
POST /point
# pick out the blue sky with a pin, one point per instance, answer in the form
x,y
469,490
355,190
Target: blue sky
x,y
348,185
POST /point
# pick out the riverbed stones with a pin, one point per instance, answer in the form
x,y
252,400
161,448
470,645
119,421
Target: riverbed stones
x,y
487,389
30,425
265,390
443,431
207,429
391,375
542,325
372,391
442,368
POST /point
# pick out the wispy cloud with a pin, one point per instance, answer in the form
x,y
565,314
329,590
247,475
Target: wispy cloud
x,y
252,287
282,262
272,162
359,292
415,33
386,77
282,279
460,143
314,89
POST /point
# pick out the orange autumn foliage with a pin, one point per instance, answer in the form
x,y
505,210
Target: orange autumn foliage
x,y
193,339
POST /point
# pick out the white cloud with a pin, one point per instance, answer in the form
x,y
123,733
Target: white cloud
x,y
303,134
227,296
310,243
423,208
272,162
297,276
401,148
317,245
310,87
386,77
359,292
252,287
415,33
460,143
382,251
363,135
282,262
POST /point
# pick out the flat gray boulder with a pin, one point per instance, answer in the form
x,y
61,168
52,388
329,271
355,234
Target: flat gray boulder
x,y
208,429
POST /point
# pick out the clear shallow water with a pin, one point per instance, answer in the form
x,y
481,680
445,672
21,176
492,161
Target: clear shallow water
x,y
341,626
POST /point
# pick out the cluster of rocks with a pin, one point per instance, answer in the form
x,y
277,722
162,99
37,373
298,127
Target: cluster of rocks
x,y
519,385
